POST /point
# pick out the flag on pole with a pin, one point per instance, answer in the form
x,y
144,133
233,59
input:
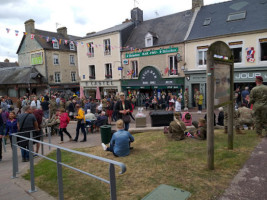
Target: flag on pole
x,y
59,41
16,32
32,36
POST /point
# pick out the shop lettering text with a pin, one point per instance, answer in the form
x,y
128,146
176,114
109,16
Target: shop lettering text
x,y
101,83
152,52
249,75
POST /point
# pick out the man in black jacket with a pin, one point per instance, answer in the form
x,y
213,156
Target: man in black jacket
x,y
123,108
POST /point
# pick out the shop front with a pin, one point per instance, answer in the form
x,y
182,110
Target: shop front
x,y
106,87
150,83
243,76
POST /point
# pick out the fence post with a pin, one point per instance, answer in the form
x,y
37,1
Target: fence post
x,y
42,145
4,143
49,137
33,189
14,156
59,175
112,179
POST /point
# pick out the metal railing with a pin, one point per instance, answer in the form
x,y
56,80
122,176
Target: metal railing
x,y
58,161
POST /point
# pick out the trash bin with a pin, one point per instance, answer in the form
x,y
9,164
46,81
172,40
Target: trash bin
x,y
140,118
161,118
105,133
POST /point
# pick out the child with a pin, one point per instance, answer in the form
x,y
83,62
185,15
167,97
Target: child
x,y
64,121
11,125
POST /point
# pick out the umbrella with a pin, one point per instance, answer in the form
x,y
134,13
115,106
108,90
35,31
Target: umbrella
x,y
81,92
98,93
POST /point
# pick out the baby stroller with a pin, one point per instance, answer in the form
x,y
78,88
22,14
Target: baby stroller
x,y
187,118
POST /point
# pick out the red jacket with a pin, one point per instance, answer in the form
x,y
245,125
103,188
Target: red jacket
x,y
64,120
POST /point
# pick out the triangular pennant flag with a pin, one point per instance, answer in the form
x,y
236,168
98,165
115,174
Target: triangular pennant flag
x,y
7,30
32,36
16,32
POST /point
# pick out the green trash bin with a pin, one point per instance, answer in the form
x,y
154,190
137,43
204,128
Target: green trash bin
x,y
105,133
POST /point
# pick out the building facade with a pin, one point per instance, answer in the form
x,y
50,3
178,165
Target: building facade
x,y
53,54
100,60
238,25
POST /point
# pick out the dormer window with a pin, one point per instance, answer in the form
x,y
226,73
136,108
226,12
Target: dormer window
x,y
72,47
55,43
150,39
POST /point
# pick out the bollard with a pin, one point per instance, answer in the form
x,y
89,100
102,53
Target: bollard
x,y
33,189
112,180
49,138
59,176
14,156
4,144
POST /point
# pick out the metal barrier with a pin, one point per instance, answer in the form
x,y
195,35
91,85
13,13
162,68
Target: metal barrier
x,y
58,161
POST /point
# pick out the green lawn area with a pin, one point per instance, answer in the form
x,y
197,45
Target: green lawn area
x,y
154,160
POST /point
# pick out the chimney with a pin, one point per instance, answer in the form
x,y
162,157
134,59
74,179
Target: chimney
x,y
137,16
29,26
197,4
63,31
6,60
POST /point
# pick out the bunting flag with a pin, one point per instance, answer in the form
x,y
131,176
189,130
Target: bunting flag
x,y
59,41
53,40
25,33
66,41
128,73
16,32
7,30
32,36
47,39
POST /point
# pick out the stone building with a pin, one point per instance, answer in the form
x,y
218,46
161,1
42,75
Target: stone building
x,y
240,24
54,55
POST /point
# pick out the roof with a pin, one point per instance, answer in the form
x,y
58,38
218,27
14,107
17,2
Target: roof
x,y
170,29
116,28
8,64
20,75
255,20
41,38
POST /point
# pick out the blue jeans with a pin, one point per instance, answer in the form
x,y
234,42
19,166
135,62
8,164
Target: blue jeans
x,y
24,154
46,114
82,127
126,126
110,148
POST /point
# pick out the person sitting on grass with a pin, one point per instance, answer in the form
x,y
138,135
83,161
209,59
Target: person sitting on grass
x,y
120,141
201,132
177,128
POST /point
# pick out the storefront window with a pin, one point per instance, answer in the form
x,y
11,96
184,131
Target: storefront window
x,y
173,65
263,46
134,69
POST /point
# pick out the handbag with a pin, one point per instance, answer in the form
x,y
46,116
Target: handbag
x,y
126,118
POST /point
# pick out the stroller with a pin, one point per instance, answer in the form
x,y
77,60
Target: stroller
x,y
187,118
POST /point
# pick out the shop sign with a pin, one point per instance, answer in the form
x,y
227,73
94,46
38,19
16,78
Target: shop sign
x,y
152,52
101,83
37,58
249,75
125,62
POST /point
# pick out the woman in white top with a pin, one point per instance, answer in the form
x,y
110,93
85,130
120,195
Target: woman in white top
x,y
36,103
178,106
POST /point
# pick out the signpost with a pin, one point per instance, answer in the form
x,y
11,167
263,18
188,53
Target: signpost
x,y
220,81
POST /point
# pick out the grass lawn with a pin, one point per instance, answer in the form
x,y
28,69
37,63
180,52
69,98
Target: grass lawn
x,y
154,160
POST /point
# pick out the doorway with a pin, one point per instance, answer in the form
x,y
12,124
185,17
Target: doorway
x,y
195,87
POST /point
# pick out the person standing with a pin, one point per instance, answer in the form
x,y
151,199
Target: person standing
x,y
178,105
45,108
123,108
200,102
26,123
64,121
244,94
1,133
11,126
38,113
80,124
36,103
258,97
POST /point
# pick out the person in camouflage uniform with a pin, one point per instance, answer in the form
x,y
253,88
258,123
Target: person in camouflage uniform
x,y
258,97
104,103
244,117
186,99
177,128
53,106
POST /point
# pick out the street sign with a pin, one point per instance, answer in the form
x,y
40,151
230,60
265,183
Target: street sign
x,y
119,68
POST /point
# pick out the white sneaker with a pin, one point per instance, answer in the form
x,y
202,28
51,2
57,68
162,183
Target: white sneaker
x,y
104,147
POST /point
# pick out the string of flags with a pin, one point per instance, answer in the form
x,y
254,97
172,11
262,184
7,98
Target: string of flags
x,y
60,41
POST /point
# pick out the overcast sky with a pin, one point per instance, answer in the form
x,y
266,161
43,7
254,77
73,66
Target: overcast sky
x,y
79,16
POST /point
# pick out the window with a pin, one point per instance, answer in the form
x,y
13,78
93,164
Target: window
x,y
236,16
108,70
72,61
57,77
91,71
149,42
72,47
73,76
263,49
202,55
56,59
134,69
107,47
55,43
207,22
237,53
91,51
173,70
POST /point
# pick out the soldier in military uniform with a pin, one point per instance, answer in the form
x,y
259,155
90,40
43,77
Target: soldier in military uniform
x,y
53,106
244,117
258,97
104,103
201,132
186,99
177,128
